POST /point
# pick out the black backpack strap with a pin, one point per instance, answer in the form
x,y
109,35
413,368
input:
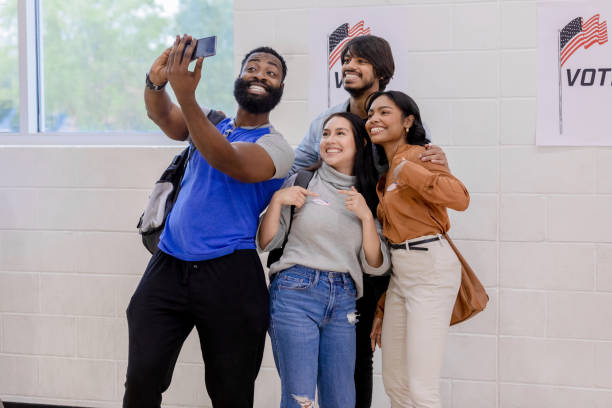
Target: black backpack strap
x,y
173,175
301,180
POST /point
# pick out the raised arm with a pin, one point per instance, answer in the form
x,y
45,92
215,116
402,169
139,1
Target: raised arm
x,y
159,107
246,162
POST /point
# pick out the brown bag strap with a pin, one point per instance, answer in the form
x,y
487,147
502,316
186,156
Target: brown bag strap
x,y
459,256
464,263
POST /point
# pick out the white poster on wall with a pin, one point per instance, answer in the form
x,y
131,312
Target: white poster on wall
x,y
331,29
574,74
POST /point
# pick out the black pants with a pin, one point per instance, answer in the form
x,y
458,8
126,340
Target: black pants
x,y
226,299
373,288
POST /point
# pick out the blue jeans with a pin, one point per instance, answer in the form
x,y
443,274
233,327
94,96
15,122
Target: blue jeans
x,y
312,327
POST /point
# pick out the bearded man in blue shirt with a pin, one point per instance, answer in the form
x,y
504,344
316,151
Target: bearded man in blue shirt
x,y
206,273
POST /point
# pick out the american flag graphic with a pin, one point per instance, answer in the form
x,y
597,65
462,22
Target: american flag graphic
x,y
577,34
341,36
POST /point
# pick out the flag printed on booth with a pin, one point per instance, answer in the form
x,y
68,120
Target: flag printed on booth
x,y
340,36
578,34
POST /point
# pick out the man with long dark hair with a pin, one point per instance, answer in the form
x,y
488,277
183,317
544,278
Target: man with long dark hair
x,y
367,67
206,272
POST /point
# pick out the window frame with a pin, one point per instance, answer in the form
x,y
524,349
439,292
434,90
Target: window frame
x,y
31,97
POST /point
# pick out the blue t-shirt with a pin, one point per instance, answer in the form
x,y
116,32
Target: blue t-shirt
x,y
215,214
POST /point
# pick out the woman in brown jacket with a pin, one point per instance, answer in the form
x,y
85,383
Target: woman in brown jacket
x,y
414,196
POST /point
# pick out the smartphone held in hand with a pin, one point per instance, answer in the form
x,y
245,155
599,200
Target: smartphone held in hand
x,y
206,47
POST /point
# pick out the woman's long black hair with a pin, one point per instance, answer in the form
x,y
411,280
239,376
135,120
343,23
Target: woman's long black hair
x,y
416,135
363,169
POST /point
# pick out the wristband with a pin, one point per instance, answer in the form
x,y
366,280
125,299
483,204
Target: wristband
x,y
152,86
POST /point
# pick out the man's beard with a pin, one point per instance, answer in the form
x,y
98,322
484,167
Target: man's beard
x,y
256,103
357,92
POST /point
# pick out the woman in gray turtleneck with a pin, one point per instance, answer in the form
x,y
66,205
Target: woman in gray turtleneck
x,y
333,239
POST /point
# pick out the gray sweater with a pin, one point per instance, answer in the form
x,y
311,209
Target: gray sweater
x,y
325,235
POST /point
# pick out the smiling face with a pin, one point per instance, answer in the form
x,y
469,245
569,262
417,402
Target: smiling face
x,y
386,122
358,75
338,145
260,85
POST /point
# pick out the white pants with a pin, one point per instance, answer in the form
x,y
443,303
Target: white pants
x,y
418,308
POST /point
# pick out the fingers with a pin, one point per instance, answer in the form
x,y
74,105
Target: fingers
x,y
438,158
172,54
352,196
376,336
176,59
425,158
432,149
350,193
180,51
305,192
296,196
428,153
197,71
158,73
163,58
299,201
434,154
310,193
189,45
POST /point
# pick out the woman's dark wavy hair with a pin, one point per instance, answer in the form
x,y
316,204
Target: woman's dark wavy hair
x,y
416,135
363,168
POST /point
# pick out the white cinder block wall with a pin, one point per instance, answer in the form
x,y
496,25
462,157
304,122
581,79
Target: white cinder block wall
x,y
536,231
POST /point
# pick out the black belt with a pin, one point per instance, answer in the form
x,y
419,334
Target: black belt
x,y
414,245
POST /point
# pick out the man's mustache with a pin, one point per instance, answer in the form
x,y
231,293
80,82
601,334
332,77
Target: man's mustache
x,y
350,71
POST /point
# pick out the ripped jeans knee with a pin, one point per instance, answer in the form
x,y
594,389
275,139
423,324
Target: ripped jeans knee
x,y
304,402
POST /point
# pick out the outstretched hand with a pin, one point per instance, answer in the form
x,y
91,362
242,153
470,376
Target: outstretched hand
x,y
183,81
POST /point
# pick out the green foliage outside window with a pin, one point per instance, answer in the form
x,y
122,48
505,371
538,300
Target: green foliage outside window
x,y
95,54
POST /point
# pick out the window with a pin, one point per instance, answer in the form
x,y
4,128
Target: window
x,y
9,67
93,55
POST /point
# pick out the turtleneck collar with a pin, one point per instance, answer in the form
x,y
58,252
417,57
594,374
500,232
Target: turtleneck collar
x,y
338,180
